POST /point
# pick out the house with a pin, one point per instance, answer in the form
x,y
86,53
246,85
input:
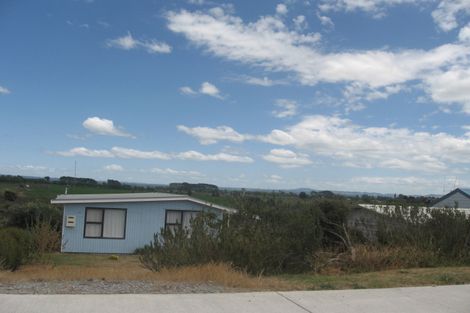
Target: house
x,y
458,199
121,223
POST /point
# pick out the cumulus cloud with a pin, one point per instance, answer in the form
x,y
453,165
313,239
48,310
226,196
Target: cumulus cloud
x,y
4,90
372,147
128,42
206,88
207,135
281,8
226,157
261,81
464,34
102,126
447,13
187,90
287,158
353,145
287,108
451,87
376,7
113,168
268,43
300,22
325,20
173,172
210,90
126,153
274,179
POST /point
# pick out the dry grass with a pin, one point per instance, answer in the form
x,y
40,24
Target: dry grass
x,y
104,267
385,279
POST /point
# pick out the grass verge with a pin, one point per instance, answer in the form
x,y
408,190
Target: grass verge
x,y
83,267
384,279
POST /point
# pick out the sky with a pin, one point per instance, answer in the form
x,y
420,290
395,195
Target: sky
x,y
356,95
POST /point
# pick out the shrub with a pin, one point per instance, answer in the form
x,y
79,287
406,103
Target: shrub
x,y
31,213
181,246
10,195
445,233
46,238
16,248
258,239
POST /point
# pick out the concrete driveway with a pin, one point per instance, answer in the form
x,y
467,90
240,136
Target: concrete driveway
x,y
447,299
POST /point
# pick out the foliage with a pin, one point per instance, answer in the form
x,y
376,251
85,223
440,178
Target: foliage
x,y
265,236
31,213
445,232
10,195
16,248
46,238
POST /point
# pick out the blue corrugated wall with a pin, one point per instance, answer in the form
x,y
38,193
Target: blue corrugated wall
x,y
144,219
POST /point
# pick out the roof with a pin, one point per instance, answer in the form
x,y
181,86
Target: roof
x,y
132,197
464,191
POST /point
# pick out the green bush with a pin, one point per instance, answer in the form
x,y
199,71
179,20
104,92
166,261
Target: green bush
x,y
258,239
9,195
445,233
16,248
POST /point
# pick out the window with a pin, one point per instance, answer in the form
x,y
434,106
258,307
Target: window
x,y
175,219
105,223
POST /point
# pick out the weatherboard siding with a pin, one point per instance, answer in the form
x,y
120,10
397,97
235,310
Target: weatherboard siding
x,y
144,219
450,201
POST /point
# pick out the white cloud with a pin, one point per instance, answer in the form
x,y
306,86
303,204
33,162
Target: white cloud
x,y
263,81
226,157
451,87
187,90
4,90
287,158
173,172
288,108
269,44
82,151
207,135
127,42
113,168
210,90
274,179
325,20
372,147
365,147
300,22
126,153
448,11
375,7
206,88
464,34
281,8
102,126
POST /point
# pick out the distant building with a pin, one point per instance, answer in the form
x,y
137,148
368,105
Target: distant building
x,y
121,223
458,199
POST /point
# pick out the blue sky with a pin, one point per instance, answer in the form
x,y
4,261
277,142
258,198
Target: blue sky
x,y
331,94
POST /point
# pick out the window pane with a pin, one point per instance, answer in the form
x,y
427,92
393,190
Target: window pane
x,y
173,217
93,230
187,217
114,223
94,215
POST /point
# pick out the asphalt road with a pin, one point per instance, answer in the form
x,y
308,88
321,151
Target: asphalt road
x,y
447,299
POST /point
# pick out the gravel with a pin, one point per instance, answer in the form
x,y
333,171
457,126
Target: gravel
x,y
109,287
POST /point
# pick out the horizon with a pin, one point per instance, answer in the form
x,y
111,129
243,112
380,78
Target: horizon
x,y
325,95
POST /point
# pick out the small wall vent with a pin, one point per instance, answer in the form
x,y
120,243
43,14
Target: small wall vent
x,y
70,221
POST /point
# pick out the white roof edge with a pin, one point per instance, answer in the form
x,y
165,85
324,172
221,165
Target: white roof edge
x,y
122,200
